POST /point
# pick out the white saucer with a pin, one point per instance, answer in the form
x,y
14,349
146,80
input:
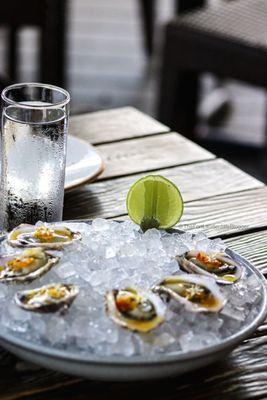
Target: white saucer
x,y
83,162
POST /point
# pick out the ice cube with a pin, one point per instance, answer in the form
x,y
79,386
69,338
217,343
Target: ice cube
x,y
65,270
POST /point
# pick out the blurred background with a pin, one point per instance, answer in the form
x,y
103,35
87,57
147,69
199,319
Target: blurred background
x,y
117,53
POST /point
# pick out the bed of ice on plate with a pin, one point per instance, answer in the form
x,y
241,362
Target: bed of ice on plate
x,y
115,255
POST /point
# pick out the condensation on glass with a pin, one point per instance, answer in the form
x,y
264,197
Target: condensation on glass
x,y
33,154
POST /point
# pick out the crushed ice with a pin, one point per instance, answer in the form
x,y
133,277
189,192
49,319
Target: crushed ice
x,y
116,255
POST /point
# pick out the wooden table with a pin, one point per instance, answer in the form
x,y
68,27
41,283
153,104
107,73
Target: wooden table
x,y
219,198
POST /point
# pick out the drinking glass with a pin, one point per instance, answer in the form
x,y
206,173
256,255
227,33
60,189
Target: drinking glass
x,y
33,140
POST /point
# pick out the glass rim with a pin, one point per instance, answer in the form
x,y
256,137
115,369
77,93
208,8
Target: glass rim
x,y
33,106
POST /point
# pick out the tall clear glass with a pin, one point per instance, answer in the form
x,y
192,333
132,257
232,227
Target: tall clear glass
x,y
33,146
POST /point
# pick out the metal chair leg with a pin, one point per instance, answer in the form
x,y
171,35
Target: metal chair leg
x,y
12,53
178,94
147,10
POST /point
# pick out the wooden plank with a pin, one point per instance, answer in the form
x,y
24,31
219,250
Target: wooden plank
x,y
197,181
149,153
227,214
253,247
25,380
111,125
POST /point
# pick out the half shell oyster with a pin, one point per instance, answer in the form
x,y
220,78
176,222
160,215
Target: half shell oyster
x,y
50,237
195,292
219,266
135,310
26,266
47,298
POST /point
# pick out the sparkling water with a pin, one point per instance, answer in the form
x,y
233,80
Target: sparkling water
x,y
33,165
116,255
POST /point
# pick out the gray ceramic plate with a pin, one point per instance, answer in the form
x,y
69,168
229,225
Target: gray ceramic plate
x,y
138,367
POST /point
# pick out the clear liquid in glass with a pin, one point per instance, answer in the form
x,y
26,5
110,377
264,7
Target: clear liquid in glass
x,y
33,165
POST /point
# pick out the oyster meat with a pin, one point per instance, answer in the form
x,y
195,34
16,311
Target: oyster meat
x,y
50,237
26,266
219,266
47,298
135,310
195,292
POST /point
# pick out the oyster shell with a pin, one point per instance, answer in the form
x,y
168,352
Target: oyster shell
x,y
47,298
219,266
195,292
135,310
50,237
26,266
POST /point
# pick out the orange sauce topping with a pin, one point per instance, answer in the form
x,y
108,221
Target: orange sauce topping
x,y
56,293
18,264
53,292
44,234
208,261
125,302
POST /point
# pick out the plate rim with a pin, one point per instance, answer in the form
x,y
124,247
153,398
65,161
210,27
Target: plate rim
x,y
143,360
82,181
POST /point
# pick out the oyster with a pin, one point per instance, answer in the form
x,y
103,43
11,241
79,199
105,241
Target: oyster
x,y
51,237
26,266
195,292
219,266
47,298
135,310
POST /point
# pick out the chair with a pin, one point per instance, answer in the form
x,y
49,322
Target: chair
x,y
229,41
49,17
148,13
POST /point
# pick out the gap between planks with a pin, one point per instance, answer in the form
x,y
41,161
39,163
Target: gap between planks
x,y
252,246
151,153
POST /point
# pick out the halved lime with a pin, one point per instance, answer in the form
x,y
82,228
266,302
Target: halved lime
x,y
154,202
